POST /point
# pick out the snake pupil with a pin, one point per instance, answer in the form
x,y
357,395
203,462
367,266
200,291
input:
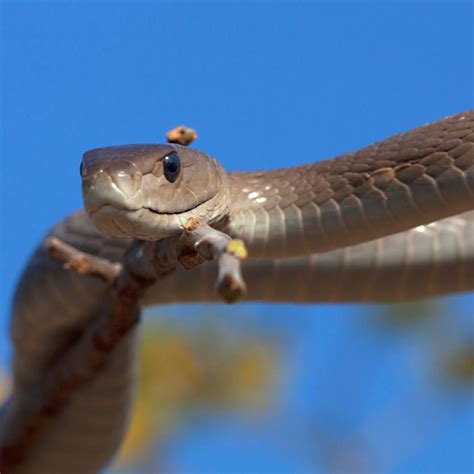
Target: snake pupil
x,y
171,166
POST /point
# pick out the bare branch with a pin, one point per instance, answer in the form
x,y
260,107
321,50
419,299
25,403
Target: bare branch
x,y
85,358
83,263
200,242
210,243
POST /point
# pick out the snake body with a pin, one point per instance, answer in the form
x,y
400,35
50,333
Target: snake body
x,y
413,193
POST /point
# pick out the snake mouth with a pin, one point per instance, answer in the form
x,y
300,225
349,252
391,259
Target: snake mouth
x,y
160,213
143,223
127,210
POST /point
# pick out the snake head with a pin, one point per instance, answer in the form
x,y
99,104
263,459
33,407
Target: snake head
x,y
150,191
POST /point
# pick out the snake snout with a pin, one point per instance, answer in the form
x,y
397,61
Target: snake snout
x,y
115,188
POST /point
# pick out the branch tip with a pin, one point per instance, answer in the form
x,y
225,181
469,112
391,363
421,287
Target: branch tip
x,y
237,248
81,262
182,135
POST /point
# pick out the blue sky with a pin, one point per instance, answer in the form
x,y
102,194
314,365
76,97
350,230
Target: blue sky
x,y
266,84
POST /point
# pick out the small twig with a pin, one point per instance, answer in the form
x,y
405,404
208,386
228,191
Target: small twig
x,y
200,242
81,262
182,135
230,284
210,243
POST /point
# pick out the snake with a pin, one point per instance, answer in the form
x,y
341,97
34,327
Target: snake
x,y
391,222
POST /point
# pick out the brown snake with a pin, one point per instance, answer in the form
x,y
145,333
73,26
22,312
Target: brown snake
x,y
413,193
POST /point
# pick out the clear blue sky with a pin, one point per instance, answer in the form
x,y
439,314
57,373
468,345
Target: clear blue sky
x,y
266,84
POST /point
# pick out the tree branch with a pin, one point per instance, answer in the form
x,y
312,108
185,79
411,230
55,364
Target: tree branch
x,y
80,362
127,281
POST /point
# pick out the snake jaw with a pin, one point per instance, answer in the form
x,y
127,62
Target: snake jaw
x,y
119,215
148,224
136,223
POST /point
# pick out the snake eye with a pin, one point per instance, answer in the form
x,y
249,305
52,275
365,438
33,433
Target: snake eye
x,y
81,168
171,166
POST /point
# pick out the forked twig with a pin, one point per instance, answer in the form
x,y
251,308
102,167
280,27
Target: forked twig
x,y
200,242
213,244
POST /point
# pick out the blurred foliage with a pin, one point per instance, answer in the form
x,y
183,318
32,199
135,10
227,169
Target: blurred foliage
x,y
451,343
459,364
408,314
4,386
183,369
214,364
187,368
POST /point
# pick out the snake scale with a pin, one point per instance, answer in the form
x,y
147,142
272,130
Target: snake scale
x,y
391,222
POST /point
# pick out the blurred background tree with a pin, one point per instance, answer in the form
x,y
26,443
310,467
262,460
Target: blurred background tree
x,y
383,386
189,368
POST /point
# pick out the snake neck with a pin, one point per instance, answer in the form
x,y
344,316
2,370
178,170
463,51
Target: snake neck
x,y
409,179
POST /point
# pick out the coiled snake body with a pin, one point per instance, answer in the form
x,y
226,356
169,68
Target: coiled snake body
x,y
393,221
